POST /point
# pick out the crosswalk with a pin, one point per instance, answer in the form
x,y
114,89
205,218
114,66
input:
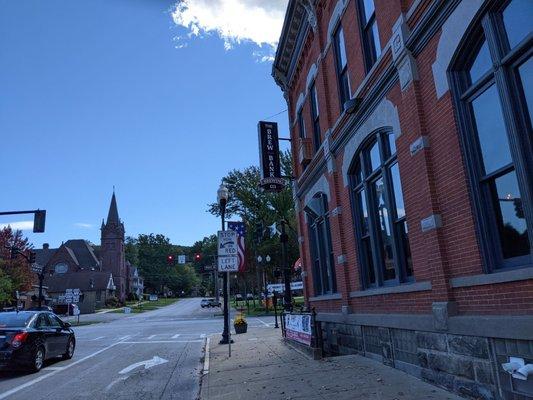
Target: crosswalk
x,y
151,338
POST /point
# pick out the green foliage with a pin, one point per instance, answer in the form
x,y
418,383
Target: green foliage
x,y
252,204
131,251
151,254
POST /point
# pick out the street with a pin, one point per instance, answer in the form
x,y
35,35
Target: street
x,y
153,355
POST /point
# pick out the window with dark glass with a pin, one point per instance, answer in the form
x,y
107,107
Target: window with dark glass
x,y
369,32
342,67
379,214
301,125
317,140
493,92
320,243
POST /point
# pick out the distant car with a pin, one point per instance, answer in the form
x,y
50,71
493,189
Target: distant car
x,y
214,303
28,338
205,303
238,297
249,296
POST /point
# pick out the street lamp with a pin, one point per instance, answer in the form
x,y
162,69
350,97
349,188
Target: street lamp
x,y
222,199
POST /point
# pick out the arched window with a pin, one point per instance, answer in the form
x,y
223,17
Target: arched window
x,y
379,214
320,244
493,90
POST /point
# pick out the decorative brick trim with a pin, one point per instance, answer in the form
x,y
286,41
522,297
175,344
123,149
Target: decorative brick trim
x,y
434,221
406,288
334,296
490,279
421,143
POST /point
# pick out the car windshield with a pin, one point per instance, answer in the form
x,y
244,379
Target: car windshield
x,y
14,320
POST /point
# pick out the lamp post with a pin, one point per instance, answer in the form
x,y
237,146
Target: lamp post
x,y
265,287
222,198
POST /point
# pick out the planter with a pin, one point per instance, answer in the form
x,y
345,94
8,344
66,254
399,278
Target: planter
x,y
241,328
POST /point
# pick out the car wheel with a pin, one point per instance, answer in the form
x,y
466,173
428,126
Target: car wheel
x,y
70,349
38,359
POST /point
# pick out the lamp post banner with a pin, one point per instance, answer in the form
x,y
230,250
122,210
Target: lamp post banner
x,y
271,179
298,328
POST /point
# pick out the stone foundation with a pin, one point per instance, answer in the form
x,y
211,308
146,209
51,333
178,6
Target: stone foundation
x,y
467,365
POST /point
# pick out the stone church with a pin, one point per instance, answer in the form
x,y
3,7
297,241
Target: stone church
x,y
99,272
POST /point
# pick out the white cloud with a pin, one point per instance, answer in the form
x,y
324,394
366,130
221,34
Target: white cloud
x,y
234,21
83,225
18,225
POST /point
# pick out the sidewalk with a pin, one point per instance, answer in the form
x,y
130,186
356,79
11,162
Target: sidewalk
x,y
263,367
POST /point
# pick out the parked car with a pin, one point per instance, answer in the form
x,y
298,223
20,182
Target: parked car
x,y
249,296
238,297
205,303
42,308
28,338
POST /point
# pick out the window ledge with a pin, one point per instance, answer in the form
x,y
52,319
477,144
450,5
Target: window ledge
x,y
334,296
405,288
489,279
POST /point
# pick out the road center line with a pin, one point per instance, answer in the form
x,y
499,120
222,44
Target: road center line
x,y
43,377
151,337
177,335
98,338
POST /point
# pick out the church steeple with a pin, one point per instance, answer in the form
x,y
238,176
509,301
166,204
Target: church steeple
x,y
112,215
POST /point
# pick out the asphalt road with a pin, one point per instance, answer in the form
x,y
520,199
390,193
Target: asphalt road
x,y
108,361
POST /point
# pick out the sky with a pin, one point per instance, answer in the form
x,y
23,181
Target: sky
x,y
155,98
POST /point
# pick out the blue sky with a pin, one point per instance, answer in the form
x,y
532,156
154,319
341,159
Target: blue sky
x,y
159,102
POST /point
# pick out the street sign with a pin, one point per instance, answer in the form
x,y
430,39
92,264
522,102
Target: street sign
x,y
228,264
227,243
181,259
37,268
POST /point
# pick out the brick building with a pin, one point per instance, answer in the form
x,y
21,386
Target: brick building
x,y
413,153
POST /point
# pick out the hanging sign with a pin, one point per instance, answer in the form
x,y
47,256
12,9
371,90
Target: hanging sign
x,y
271,179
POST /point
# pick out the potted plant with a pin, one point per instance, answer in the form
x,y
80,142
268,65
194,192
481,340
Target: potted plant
x,y
240,324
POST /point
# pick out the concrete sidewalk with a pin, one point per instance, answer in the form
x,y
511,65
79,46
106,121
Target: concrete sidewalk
x,y
263,367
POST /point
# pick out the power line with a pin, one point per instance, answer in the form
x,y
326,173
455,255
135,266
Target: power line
x,y
275,115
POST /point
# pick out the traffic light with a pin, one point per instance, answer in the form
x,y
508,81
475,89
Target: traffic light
x,y
31,258
39,219
197,257
170,259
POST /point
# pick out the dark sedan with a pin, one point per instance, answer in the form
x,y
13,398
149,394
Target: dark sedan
x,y
28,338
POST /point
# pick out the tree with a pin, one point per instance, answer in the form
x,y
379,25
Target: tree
x,y
253,205
152,252
131,251
15,274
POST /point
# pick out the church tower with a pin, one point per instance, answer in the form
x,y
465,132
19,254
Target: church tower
x,y
112,255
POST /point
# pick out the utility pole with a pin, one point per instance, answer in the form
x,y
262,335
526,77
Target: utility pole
x,y
283,238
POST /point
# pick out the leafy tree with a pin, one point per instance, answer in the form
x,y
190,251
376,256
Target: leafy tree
x,y
253,205
15,274
152,252
6,286
131,251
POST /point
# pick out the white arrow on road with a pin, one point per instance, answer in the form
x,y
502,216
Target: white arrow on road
x,y
147,364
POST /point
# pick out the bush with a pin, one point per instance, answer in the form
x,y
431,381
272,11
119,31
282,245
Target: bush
x,y
112,302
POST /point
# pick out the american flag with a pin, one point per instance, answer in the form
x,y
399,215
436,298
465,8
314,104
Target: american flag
x,y
240,228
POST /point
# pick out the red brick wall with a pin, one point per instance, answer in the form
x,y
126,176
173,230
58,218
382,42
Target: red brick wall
x,y
434,180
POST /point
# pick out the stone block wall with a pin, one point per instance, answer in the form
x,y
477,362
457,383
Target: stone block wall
x,y
467,365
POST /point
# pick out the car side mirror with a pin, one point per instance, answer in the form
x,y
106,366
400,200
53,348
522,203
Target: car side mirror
x,y
67,324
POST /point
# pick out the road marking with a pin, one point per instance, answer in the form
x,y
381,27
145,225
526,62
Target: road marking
x,y
53,368
98,338
253,339
108,387
202,336
124,337
43,377
206,357
177,335
156,360
151,337
162,341
263,322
